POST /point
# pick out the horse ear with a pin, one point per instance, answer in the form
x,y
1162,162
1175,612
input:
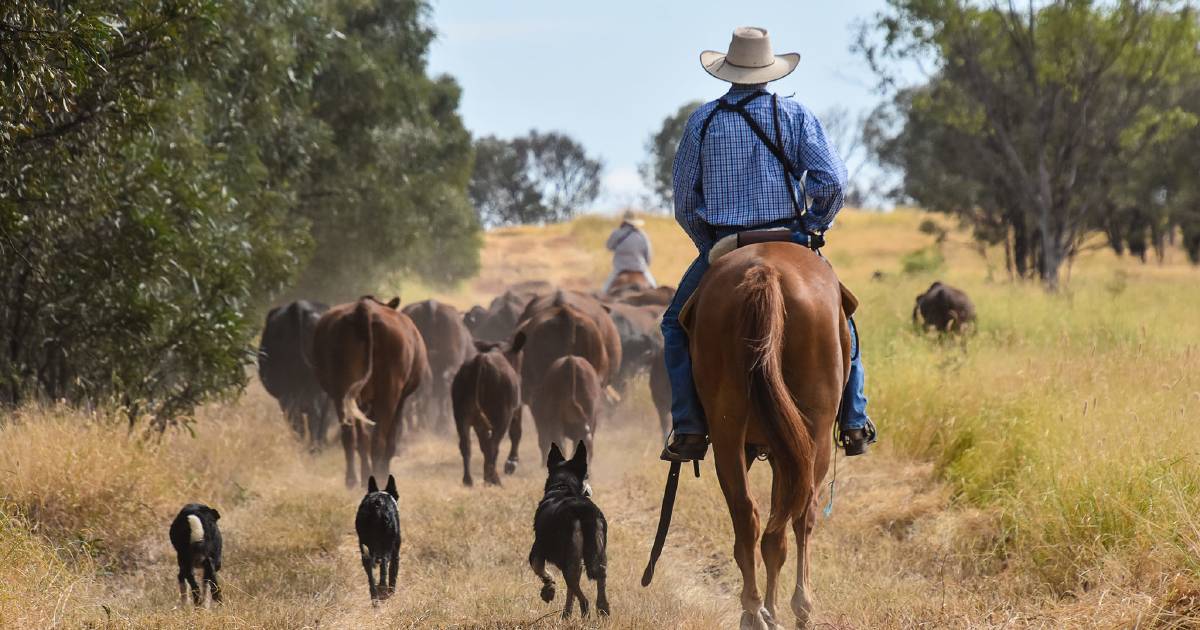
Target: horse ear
x,y
556,456
394,302
391,487
579,460
372,486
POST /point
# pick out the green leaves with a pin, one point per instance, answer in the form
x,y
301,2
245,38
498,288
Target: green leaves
x,y
167,169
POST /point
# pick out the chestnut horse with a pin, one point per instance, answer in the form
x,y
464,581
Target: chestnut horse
x,y
770,353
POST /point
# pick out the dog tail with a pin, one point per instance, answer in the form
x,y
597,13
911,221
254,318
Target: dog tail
x,y
595,542
195,529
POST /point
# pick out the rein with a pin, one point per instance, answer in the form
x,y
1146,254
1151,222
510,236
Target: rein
x,y
664,518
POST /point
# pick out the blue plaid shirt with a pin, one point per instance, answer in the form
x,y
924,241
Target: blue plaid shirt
x,y
742,181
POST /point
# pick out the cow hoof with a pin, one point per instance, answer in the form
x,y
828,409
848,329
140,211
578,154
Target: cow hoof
x,y
467,481
351,483
510,466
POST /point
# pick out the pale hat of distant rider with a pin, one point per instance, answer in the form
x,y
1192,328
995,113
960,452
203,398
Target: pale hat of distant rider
x,y
749,59
631,218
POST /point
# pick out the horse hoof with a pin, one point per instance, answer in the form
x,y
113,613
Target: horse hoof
x,y
755,621
510,466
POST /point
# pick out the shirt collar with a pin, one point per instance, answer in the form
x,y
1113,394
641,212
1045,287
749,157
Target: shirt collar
x,y
737,89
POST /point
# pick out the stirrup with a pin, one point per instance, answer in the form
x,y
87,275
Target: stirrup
x,y
869,430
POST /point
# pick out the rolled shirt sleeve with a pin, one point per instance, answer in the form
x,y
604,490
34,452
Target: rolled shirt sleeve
x,y
826,172
685,174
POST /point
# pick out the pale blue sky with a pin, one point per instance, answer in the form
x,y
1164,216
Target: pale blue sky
x,y
608,72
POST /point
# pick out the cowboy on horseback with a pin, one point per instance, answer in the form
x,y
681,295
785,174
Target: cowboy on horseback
x,y
739,163
631,251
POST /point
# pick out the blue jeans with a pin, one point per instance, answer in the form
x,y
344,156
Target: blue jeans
x,y
687,414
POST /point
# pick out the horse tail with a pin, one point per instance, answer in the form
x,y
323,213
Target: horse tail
x,y
770,400
349,403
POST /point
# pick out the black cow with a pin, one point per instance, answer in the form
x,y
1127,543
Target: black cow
x,y
285,368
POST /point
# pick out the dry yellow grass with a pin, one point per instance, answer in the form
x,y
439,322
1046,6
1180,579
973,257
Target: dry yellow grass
x,y
1041,475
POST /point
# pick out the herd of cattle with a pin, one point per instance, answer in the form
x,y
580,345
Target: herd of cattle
x,y
381,370
560,354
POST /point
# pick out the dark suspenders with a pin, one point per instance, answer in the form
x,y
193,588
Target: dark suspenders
x,y
775,147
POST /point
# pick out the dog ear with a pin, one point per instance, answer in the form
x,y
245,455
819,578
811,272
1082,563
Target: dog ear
x,y
556,456
391,487
372,486
215,514
579,460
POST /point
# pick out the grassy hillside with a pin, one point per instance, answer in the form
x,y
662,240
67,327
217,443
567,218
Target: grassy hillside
x,y
1039,474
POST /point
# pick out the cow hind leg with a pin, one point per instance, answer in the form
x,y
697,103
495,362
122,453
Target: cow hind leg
x,y
514,438
464,447
366,439
489,457
350,436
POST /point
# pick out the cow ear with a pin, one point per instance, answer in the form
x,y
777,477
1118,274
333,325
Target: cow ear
x,y
485,346
579,460
391,487
518,342
394,302
372,486
556,456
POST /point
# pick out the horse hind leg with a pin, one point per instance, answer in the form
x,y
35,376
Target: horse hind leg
x,y
802,603
774,553
735,484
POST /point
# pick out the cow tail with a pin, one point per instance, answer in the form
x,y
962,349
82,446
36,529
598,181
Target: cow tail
x,y
350,409
484,420
771,402
583,416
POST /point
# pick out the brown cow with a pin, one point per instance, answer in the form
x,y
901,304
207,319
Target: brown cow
x,y
594,310
487,398
943,308
554,332
448,344
565,404
659,296
660,391
497,322
641,339
368,355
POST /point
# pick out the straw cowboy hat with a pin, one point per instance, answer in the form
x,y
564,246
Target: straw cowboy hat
x,y
749,59
631,218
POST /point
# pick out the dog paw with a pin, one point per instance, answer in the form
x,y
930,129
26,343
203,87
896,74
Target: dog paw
x,y
548,593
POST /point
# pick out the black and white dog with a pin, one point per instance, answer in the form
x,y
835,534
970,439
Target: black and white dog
x,y
378,527
197,543
570,532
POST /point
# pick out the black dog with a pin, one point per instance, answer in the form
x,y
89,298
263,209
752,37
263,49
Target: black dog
x,y
570,532
197,543
378,527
